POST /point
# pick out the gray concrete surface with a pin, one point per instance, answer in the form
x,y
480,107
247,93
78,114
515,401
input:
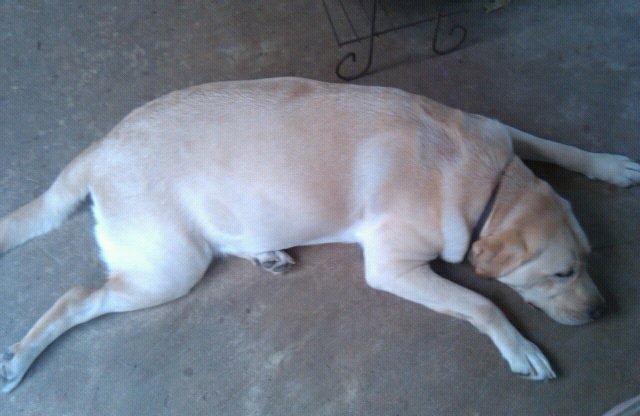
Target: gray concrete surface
x,y
315,341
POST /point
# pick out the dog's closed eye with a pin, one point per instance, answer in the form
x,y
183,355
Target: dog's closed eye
x,y
568,273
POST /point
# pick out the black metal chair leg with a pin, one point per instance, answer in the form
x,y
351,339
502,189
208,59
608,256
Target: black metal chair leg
x,y
352,55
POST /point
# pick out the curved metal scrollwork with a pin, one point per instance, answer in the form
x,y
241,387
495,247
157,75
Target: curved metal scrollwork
x,y
456,31
434,44
352,55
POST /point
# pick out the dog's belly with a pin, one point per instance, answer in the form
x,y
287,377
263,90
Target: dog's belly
x,y
249,221
255,242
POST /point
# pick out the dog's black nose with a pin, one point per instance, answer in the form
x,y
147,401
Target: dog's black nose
x,y
597,311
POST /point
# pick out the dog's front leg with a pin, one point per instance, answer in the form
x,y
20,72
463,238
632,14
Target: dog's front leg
x,y
616,169
413,280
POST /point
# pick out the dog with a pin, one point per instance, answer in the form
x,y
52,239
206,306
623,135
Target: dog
x,y
250,168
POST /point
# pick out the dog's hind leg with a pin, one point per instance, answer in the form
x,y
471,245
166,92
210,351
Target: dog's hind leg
x,y
616,169
76,306
147,269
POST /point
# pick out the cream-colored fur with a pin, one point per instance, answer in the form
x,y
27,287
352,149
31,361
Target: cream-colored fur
x,y
253,167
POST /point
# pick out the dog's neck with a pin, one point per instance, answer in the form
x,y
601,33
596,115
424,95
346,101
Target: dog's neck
x,y
488,208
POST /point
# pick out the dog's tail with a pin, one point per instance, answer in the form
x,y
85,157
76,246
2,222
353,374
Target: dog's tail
x,y
51,208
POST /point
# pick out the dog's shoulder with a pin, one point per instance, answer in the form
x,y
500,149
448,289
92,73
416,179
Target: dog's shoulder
x,y
448,134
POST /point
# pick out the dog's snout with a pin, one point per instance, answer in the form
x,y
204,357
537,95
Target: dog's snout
x,y
597,311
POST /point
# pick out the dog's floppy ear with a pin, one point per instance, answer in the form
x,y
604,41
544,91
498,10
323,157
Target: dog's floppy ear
x,y
498,254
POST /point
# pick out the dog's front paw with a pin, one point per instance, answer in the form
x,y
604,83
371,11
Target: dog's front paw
x,y
616,169
527,360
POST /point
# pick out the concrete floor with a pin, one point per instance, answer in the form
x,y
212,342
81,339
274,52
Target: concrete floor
x,y
317,340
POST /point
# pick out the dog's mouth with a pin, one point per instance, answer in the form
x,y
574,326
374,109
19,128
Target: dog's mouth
x,y
574,318
535,307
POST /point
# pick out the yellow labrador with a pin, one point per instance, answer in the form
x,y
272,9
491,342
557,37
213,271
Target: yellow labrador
x,y
250,168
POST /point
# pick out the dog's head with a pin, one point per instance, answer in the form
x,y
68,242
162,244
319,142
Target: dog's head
x,y
533,243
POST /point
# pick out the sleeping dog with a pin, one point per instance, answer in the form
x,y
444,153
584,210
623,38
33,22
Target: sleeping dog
x,y
250,168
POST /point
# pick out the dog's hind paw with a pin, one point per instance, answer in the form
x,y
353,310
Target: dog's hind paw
x,y
9,377
616,169
276,262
